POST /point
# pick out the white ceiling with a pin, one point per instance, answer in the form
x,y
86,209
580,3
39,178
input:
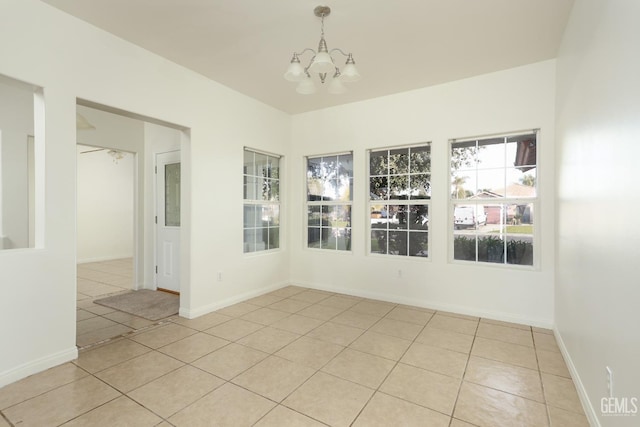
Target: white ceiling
x,y
398,45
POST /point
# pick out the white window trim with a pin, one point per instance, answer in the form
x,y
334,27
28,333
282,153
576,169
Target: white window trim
x,y
369,202
307,203
535,201
279,203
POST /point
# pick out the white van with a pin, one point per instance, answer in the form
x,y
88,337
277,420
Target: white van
x,y
469,216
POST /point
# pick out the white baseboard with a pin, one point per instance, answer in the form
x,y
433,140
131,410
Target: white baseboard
x,y
200,311
103,258
37,365
494,315
588,408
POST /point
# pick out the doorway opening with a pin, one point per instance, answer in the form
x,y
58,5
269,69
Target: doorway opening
x,y
117,252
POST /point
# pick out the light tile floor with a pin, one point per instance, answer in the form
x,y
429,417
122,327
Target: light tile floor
x,y
96,323
301,357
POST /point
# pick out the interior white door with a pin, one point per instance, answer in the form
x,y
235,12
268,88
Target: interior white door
x,y
168,221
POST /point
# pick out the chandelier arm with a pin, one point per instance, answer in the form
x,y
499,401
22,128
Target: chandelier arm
x,y
306,69
336,49
305,50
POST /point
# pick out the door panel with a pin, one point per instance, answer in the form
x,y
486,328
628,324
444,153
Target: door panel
x,y
168,221
167,258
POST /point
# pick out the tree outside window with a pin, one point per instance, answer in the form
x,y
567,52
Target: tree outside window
x,y
399,201
329,200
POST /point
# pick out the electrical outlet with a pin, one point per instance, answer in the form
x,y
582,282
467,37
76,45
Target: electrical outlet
x,y
609,381
219,276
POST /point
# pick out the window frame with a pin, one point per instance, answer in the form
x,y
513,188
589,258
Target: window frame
x,y
388,201
329,203
504,200
261,202
33,176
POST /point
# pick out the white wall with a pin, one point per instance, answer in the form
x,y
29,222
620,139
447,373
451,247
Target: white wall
x,y
71,59
105,205
512,100
114,131
114,237
598,135
16,123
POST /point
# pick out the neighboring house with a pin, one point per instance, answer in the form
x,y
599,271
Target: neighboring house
x,y
514,213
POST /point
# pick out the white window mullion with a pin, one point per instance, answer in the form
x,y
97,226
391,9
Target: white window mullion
x,y
261,234
517,224
404,197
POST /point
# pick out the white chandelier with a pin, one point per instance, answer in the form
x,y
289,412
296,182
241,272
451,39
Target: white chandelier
x,y
321,64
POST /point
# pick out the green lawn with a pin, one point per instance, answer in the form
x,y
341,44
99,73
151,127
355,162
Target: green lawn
x,y
339,224
517,229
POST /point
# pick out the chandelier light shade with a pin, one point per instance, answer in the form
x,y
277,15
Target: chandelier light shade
x,y
335,85
306,86
321,65
349,72
295,72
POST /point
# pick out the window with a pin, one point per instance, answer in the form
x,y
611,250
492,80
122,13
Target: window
x,y
21,165
329,197
494,198
261,201
399,198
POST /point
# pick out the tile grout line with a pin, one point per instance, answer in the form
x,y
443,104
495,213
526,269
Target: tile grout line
x,y
464,373
397,362
377,389
343,379
4,417
50,390
542,387
324,322
301,384
414,340
95,407
537,370
126,394
320,369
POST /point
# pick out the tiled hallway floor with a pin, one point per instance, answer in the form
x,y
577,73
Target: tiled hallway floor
x,y
96,323
300,357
